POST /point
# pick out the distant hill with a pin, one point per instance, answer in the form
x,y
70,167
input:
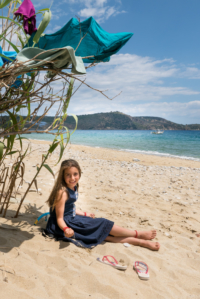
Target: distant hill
x,y
121,121
118,121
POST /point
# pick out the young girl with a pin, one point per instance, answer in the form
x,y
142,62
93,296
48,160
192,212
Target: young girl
x,y
82,228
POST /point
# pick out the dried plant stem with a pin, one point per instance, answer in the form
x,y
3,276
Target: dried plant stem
x,y
80,42
88,57
3,181
27,190
6,23
11,34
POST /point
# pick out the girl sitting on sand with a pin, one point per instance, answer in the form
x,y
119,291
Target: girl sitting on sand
x,y
81,228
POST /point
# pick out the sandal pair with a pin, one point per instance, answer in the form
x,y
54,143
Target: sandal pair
x,y
140,267
114,263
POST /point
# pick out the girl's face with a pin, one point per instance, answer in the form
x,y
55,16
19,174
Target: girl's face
x,y
71,177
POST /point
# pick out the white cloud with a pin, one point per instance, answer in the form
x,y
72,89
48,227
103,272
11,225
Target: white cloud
x,y
140,78
55,28
100,9
39,3
166,110
192,73
147,86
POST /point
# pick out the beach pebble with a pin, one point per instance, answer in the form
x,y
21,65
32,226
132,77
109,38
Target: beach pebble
x,y
136,160
168,235
126,244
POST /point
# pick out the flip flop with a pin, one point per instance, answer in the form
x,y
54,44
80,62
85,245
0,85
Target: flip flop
x,y
114,264
142,270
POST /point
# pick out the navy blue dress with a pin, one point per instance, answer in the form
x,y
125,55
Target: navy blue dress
x,y
88,232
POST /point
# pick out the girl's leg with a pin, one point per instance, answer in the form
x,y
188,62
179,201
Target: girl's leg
x,y
134,241
118,231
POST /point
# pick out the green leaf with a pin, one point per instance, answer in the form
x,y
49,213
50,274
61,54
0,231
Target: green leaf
x,y
12,139
12,116
68,135
76,121
19,107
8,143
55,121
3,3
12,45
18,24
20,140
11,153
20,39
62,148
17,166
49,169
41,10
29,107
44,23
53,147
1,149
68,96
38,168
8,58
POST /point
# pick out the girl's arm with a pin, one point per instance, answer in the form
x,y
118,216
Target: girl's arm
x,y
80,213
60,207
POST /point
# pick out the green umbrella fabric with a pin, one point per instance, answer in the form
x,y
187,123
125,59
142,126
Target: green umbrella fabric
x,y
96,42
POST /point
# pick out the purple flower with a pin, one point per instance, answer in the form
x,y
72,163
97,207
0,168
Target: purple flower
x,y
27,10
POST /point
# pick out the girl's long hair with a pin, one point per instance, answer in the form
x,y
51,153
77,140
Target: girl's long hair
x,y
60,182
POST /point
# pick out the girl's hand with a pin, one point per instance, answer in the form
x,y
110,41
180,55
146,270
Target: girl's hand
x,y
91,215
68,232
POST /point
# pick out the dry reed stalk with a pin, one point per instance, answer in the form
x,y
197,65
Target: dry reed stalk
x,y
4,177
6,23
11,34
27,190
13,176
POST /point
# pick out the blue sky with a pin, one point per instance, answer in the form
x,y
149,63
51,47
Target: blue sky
x,y
158,70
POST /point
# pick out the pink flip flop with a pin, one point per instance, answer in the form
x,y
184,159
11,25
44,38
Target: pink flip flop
x,y
142,270
105,260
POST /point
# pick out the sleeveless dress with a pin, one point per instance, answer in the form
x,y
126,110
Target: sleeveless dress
x,y
88,232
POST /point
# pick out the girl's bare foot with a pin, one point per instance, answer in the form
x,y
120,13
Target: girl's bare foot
x,y
151,245
147,234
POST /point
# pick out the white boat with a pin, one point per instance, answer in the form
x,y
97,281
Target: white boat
x,y
157,132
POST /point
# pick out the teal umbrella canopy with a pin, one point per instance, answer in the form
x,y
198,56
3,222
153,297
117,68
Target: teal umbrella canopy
x,y
96,42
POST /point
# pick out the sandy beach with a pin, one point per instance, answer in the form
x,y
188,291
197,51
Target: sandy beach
x,y
135,191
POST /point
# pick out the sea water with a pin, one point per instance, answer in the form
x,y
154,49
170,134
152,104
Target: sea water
x,y
183,144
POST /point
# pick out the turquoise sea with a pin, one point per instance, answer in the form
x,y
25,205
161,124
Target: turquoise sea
x,y
183,144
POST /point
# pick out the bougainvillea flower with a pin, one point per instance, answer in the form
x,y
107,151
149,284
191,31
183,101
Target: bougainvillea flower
x,y
27,10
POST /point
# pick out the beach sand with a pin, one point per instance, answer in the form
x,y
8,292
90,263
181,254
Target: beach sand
x,y
153,193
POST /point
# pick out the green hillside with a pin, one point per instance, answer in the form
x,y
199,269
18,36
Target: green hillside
x,y
117,121
121,121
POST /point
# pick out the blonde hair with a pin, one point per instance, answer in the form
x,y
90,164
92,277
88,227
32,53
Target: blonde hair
x,y
60,183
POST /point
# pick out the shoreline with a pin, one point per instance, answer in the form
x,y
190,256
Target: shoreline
x,y
153,152
143,157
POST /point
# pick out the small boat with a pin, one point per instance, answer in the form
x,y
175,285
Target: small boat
x,y
157,132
